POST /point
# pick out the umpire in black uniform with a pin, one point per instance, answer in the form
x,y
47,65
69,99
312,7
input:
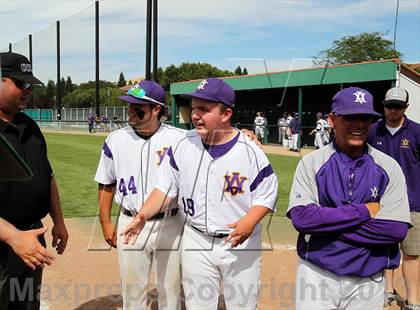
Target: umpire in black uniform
x,y
23,204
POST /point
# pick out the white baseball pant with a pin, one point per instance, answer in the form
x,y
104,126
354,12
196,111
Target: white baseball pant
x,y
294,141
319,289
207,261
160,241
319,141
259,131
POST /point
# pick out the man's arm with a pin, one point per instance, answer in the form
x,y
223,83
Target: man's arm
x,y
105,198
308,216
316,219
155,203
246,225
376,231
263,189
25,244
59,231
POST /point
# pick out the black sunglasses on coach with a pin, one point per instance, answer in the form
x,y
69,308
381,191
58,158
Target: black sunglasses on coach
x,y
394,106
21,84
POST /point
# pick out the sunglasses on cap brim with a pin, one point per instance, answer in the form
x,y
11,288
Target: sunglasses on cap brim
x,y
140,93
394,106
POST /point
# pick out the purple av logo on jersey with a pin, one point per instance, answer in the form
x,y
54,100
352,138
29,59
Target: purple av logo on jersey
x,y
161,155
234,183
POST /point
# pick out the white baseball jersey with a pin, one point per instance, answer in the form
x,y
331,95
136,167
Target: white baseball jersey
x,y
259,121
131,162
320,125
217,190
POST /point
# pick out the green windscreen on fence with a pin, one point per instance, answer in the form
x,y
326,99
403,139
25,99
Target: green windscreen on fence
x,y
39,115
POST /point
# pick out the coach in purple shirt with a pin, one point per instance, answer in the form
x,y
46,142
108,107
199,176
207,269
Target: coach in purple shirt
x,y
349,204
399,137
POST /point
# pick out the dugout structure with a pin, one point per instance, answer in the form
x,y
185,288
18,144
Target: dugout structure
x,y
306,91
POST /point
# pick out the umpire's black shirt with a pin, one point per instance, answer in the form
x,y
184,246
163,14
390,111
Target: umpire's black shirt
x,y
24,202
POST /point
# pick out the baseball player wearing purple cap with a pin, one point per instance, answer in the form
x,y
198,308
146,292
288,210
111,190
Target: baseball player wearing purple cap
x,y
127,170
225,186
295,129
349,204
399,137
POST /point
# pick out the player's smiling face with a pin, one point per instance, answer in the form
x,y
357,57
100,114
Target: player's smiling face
x,y
208,117
351,132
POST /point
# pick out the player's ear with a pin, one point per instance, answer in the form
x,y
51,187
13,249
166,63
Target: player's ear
x,y
156,109
228,112
332,117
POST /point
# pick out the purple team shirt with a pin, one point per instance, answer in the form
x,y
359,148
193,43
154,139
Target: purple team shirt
x,y
404,147
338,234
294,126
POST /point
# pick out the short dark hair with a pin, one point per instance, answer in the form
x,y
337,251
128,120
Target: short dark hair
x,y
162,112
223,108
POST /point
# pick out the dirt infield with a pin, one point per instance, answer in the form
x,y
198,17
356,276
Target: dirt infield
x,y
86,276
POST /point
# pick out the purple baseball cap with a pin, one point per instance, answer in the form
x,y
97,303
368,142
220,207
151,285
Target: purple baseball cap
x,y
353,100
145,92
215,90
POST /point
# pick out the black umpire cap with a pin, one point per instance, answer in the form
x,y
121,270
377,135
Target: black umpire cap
x,y
17,66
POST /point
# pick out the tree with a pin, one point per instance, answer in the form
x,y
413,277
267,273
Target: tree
x,y
50,93
189,71
69,86
121,80
238,70
130,83
244,71
63,86
366,46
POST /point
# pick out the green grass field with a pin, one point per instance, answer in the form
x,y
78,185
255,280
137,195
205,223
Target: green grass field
x,y
75,157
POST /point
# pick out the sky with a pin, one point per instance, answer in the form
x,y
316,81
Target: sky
x,y
257,34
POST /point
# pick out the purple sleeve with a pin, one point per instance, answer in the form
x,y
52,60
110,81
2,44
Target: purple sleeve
x,y
377,232
313,219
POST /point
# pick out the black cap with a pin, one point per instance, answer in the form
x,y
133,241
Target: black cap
x,y
17,66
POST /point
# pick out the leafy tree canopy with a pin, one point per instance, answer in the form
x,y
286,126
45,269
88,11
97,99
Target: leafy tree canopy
x,y
189,71
238,70
366,46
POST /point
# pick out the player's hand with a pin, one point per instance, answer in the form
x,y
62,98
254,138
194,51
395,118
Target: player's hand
x,y
110,234
373,208
242,230
60,237
27,246
251,135
132,231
